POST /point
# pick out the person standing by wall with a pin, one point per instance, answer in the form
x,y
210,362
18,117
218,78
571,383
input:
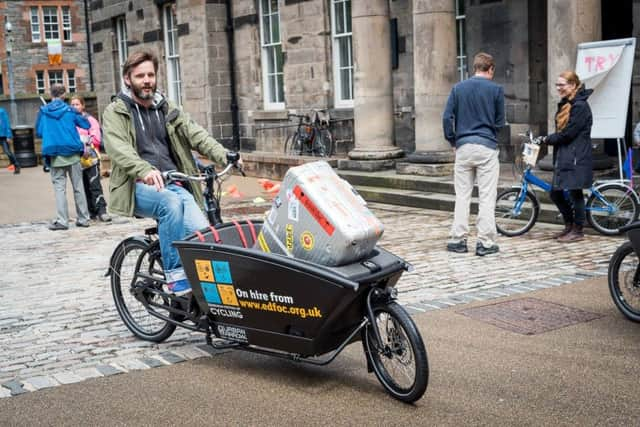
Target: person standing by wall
x,y
472,117
5,135
572,154
56,125
90,163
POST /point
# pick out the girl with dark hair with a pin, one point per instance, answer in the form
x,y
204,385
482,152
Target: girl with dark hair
x,y
572,154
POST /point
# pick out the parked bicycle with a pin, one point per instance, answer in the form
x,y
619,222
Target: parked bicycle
x,y
270,304
624,274
312,136
610,204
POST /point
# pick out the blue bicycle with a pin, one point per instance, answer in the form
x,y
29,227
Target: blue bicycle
x,y
610,204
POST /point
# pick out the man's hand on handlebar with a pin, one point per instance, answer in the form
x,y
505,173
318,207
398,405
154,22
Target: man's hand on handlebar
x,y
233,157
154,178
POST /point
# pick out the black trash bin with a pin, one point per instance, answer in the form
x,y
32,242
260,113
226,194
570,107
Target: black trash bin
x,y
23,146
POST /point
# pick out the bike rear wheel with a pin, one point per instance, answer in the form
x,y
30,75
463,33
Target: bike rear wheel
x,y
610,207
293,145
137,269
323,143
624,281
401,365
513,218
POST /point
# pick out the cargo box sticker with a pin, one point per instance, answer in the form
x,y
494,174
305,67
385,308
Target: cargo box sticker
x,y
289,237
232,332
228,295
314,211
205,272
211,293
221,271
292,209
257,300
307,241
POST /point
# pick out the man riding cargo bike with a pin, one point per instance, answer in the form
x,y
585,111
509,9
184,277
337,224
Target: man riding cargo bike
x,y
145,135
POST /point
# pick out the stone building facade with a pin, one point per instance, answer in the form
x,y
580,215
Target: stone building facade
x,y
244,65
33,23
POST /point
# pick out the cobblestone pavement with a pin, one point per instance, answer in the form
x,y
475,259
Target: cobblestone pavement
x,y
58,323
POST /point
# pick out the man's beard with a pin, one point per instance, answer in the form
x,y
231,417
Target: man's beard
x,y
138,91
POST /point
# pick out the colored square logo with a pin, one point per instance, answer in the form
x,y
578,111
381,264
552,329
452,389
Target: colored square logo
x,y
222,272
228,295
210,293
205,271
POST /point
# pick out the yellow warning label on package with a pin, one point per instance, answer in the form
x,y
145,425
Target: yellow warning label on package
x,y
289,237
205,271
227,295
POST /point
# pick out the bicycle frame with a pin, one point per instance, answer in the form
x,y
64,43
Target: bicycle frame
x,y
529,178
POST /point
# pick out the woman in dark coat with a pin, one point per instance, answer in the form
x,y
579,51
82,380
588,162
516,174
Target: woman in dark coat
x,y
572,157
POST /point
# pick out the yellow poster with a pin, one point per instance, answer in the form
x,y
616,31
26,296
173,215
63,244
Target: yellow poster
x,y
227,295
205,272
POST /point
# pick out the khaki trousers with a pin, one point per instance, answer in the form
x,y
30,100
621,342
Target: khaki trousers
x,y
475,161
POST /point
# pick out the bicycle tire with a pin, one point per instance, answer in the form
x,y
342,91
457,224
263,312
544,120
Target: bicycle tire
x,y
617,196
134,256
507,222
292,145
323,143
403,348
624,281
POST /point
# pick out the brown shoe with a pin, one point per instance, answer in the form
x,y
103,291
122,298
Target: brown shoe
x,y
575,235
567,229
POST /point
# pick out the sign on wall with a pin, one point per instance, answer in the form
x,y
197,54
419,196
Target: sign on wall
x,y
606,67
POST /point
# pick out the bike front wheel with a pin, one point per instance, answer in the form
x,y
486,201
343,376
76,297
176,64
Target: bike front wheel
x,y
400,360
516,213
137,271
610,207
292,145
323,143
624,281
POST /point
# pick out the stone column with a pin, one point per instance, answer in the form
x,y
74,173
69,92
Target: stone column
x,y
434,72
373,91
569,22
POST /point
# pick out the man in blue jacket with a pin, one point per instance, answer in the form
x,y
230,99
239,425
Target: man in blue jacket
x,y
5,134
472,117
56,125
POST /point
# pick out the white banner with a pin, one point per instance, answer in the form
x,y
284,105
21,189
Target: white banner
x,y
606,67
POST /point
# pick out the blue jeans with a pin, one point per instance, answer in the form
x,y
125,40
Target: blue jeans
x,y
178,215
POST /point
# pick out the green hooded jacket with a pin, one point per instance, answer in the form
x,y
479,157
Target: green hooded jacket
x,y
126,165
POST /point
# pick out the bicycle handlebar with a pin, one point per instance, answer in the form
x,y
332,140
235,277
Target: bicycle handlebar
x,y
208,171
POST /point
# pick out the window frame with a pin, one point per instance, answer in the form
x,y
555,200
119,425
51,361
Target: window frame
x,y
41,85
36,24
55,74
338,100
65,12
461,41
121,41
269,57
59,27
172,53
55,27
71,76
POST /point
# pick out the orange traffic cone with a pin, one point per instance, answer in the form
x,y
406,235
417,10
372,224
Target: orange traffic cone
x,y
233,191
265,183
274,189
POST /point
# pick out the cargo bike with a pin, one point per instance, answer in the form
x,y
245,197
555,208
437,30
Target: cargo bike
x,y
246,299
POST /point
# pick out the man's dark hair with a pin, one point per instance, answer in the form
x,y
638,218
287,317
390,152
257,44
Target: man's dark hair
x,y
483,62
57,90
137,58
